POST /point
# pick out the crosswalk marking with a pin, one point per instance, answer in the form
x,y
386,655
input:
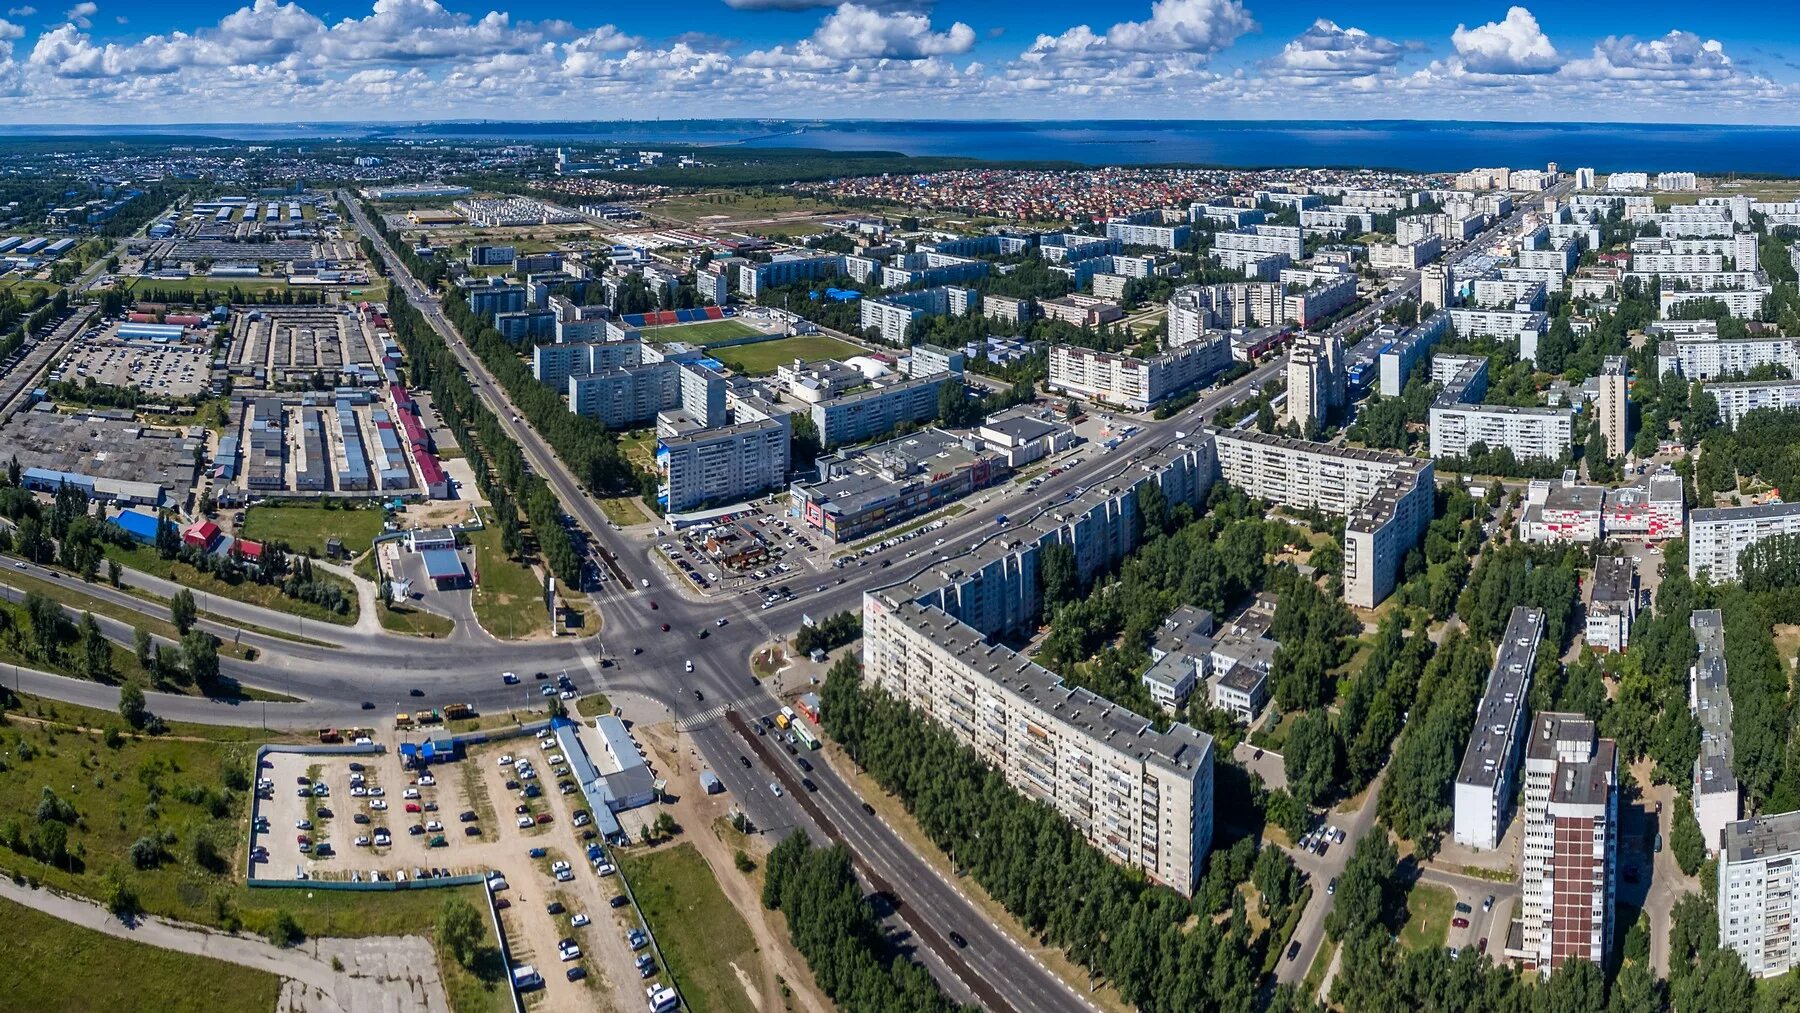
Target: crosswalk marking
x,y
692,721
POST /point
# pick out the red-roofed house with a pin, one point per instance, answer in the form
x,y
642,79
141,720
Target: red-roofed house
x,y
201,535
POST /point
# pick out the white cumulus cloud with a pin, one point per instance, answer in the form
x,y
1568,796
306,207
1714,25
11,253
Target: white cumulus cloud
x,y
82,14
854,32
1515,45
1326,51
1198,28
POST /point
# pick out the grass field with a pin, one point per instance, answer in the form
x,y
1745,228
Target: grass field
x,y
705,332
640,449
208,286
700,934
788,230
734,205
305,528
624,510
415,622
74,597
37,952
68,658
509,599
1428,913
764,356
146,560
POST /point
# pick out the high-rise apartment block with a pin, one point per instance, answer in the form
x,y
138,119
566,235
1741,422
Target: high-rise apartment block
x,y
1569,854
1614,405
1316,382
1758,863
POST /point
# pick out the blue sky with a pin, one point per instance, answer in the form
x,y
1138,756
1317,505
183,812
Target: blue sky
x,y
186,61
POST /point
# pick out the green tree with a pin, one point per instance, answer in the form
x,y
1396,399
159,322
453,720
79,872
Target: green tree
x,y
96,650
283,930
132,706
1311,755
1685,838
460,930
200,653
183,611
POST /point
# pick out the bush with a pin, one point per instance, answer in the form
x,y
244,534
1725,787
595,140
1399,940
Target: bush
x,y
743,862
284,930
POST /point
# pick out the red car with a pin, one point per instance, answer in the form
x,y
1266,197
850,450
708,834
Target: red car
x,y
652,606
544,818
413,807
665,627
1461,923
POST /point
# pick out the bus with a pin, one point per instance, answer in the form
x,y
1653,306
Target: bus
x,y
806,738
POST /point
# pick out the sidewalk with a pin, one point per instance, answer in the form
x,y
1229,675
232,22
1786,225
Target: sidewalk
x,y
396,974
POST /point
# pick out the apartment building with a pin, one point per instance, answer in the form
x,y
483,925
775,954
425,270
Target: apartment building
x,y
1007,308
1484,792
1224,214
1399,351
1081,310
627,396
1143,798
1757,897
1387,499
867,414
1459,421
889,317
704,394
1613,604
929,360
1523,326
1718,535
1715,787
1136,384
786,269
1168,237
1704,356
1568,856
1612,409
723,465
1338,219
1316,382
929,267
1508,294
1743,303
1434,287
554,364
1237,249
1736,400
1405,256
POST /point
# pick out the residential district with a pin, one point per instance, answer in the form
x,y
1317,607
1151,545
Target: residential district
x,y
415,578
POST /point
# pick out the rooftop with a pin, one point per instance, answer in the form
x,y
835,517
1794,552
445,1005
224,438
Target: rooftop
x,y
1742,513
1712,705
1490,744
1762,837
1613,579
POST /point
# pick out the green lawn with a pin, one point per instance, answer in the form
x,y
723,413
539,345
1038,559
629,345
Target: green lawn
x,y
415,622
245,287
593,705
700,934
640,449
18,646
145,559
39,952
509,596
703,333
624,510
305,528
1428,912
694,207
764,356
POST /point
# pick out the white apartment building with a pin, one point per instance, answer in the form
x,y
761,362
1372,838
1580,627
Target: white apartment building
x,y
1434,287
1224,214
1338,219
1389,499
1524,327
626,396
785,269
1007,308
1628,181
1744,303
1676,181
1613,604
1405,256
1737,400
1757,892
890,316
723,465
1584,179
1715,787
1110,286
1568,856
1168,237
1718,535
1508,294
1418,228
1141,797
1483,796
1613,406
1132,383
1458,422
1703,356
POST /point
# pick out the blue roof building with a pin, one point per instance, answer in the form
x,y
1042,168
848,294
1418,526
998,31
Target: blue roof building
x,y
137,524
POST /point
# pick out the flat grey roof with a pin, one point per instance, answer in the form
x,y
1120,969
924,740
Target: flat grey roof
x,y
1589,781
1613,576
1490,744
1712,705
1742,513
1762,837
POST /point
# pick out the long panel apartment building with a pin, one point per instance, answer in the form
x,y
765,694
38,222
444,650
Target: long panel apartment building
x,y
1484,790
867,414
1144,798
1459,421
1703,355
1132,383
1568,856
1715,788
1738,399
627,396
1717,536
1388,499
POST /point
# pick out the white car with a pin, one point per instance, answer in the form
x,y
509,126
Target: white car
x,y
568,694
434,826
378,805
578,920
507,760
410,793
362,840
376,791
510,678
775,788
558,866
564,876
382,838
690,666
553,759
526,823
426,780
571,953
604,867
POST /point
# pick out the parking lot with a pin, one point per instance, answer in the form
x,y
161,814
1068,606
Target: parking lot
x,y
478,815
161,371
